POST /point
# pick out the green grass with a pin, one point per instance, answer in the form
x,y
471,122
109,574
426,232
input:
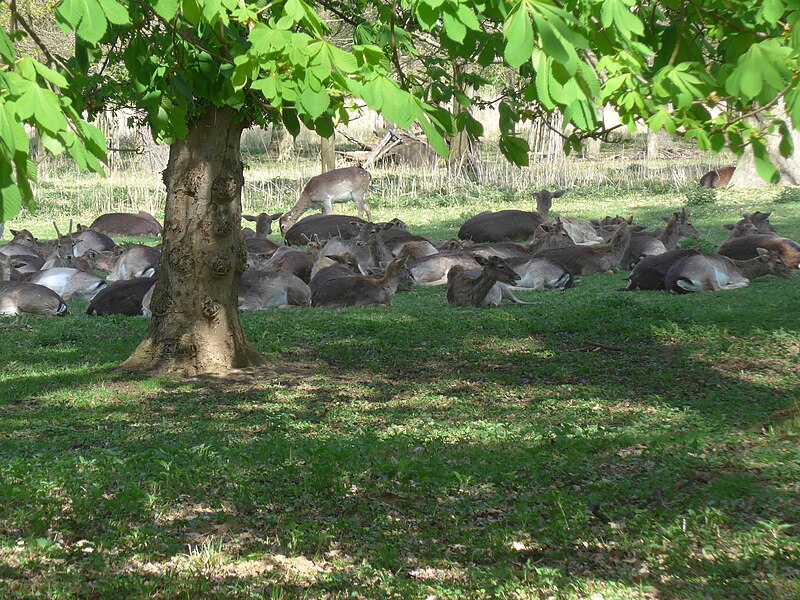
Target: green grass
x,y
631,445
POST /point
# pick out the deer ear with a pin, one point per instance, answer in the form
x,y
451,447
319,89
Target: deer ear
x,y
666,218
275,216
762,251
481,260
558,193
249,218
729,226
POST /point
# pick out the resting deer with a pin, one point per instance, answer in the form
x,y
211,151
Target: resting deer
x,y
742,248
272,289
22,244
581,231
358,290
17,297
320,228
589,260
645,244
541,273
69,283
123,297
433,269
750,224
718,178
348,184
649,273
127,224
551,234
263,223
367,246
714,273
133,262
486,287
509,225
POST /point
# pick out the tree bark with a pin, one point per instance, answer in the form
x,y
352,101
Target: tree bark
x,y
327,151
195,328
745,176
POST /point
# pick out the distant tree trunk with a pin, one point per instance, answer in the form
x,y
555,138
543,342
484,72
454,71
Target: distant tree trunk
x,y
462,157
195,326
327,151
746,175
286,150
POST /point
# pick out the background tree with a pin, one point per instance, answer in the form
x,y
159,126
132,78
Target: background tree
x,y
203,70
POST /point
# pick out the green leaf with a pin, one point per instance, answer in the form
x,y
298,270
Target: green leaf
x,y
468,18
582,114
93,23
166,9
50,75
12,133
7,48
427,15
43,106
290,121
773,10
515,149
115,12
786,147
764,166
453,26
615,13
10,197
314,103
518,32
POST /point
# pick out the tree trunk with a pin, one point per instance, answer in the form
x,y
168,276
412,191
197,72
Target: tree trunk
x,y
745,176
327,151
195,327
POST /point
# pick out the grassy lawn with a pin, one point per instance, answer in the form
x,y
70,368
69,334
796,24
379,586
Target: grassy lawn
x,y
632,445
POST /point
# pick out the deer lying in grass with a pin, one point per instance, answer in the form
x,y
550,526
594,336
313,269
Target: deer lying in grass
x,y
589,260
367,246
581,231
89,239
263,223
321,228
123,297
69,283
126,224
133,262
750,224
645,244
649,273
433,269
541,273
348,184
18,297
717,178
22,244
715,273
272,289
358,290
509,225
747,246
296,262
486,287
551,234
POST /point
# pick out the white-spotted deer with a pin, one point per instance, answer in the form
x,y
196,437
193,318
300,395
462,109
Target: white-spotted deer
x,y
348,184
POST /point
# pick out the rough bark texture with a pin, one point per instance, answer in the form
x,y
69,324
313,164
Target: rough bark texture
x,y
746,175
195,327
327,151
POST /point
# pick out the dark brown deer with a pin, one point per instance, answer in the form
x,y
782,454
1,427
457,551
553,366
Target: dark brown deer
x,y
742,248
649,273
321,228
486,287
123,297
645,244
717,178
509,225
358,290
348,184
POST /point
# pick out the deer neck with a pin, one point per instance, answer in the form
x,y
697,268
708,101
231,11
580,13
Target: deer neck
x,y
669,237
481,286
752,267
302,205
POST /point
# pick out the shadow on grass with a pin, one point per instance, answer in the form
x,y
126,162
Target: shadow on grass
x,y
563,446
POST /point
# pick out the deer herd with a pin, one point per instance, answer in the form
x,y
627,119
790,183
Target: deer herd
x,y
337,260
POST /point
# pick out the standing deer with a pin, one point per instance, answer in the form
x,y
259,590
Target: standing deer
x,y
509,225
348,184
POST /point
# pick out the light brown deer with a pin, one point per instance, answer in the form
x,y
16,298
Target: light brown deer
x,y
715,273
718,178
348,184
69,283
645,244
127,224
18,297
589,260
272,289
